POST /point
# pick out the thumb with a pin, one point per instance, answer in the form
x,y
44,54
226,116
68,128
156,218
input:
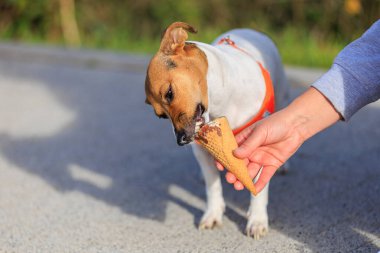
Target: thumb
x,y
255,139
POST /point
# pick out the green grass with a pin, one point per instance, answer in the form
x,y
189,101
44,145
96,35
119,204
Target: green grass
x,y
300,48
297,47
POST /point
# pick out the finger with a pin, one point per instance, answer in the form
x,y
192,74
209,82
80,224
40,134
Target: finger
x,y
238,186
266,175
255,139
243,135
219,166
230,178
253,169
246,161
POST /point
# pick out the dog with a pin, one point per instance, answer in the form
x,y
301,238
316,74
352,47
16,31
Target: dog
x,y
191,82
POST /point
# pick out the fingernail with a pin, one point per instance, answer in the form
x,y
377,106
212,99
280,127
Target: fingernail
x,y
238,152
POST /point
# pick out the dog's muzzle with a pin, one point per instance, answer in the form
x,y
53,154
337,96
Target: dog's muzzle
x,y
186,135
183,138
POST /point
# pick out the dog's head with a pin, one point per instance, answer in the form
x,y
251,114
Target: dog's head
x,y
175,83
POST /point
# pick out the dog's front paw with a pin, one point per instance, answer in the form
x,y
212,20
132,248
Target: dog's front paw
x,y
257,226
212,218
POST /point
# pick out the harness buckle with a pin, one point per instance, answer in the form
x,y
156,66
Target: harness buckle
x,y
227,40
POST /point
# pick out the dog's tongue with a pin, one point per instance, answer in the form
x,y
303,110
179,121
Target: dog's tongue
x,y
198,125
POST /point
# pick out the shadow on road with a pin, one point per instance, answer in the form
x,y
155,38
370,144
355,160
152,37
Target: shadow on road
x,y
330,194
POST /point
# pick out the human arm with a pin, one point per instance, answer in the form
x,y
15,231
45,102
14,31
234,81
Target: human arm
x,y
352,82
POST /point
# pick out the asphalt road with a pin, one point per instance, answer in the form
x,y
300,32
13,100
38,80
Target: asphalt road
x,y
86,167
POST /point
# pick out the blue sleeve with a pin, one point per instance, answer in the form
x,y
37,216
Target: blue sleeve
x,y
353,81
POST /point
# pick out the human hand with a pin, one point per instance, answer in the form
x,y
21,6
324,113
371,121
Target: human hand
x,y
270,142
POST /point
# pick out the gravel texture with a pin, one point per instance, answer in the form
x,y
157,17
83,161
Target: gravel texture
x,y
85,166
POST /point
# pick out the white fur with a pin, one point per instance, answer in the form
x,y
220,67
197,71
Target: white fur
x,y
236,89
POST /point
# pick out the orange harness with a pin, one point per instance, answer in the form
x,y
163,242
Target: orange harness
x,y
268,105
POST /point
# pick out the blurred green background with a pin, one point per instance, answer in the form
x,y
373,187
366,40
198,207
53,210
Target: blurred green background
x,y
307,32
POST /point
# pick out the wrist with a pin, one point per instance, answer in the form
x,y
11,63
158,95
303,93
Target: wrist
x,y
310,113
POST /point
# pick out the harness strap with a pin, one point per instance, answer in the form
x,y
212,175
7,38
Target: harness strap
x,y
268,105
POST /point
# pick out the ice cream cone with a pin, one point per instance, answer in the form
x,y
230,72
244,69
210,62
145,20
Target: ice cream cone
x,y
217,138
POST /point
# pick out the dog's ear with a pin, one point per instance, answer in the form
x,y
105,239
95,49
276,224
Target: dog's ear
x,y
174,37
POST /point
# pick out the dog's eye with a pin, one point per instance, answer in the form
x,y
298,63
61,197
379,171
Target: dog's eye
x,y
169,94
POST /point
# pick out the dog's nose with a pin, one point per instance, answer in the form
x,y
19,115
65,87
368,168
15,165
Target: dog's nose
x,y
182,138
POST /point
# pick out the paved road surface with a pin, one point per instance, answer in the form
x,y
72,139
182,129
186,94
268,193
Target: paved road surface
x,y
86,167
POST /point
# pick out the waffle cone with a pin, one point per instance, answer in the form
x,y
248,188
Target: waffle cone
x,y
217,138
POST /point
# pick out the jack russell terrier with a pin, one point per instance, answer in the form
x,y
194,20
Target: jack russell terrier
x,y
192,83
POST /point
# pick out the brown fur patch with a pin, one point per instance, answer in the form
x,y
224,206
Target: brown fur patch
x,y
188,82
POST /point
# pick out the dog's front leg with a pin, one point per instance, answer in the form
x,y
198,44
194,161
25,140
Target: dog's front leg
x,y
215,202
257,225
